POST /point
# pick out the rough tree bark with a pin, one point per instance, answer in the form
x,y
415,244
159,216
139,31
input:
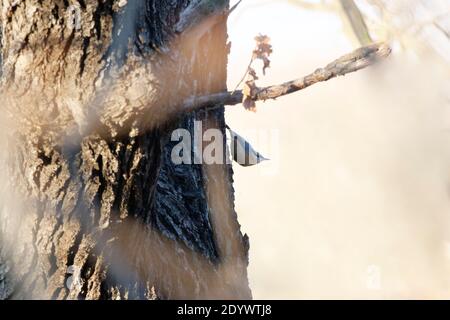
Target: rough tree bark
x,y
93,207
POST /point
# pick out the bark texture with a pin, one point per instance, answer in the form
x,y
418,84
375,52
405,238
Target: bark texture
x,y
93,207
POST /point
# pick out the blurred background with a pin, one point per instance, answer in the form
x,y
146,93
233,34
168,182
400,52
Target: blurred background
x,y
355,202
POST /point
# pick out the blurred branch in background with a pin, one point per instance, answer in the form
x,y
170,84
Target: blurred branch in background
x,y
420,27
348,9
444,31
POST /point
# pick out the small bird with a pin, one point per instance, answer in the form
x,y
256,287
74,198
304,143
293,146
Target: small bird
x,y
242,151
198,11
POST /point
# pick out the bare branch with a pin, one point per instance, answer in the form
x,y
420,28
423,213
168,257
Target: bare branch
x,y
354,61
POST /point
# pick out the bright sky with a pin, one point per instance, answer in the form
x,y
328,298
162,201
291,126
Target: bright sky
x,y
354,202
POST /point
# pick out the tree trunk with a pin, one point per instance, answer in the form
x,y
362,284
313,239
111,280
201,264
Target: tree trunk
x,y
92,205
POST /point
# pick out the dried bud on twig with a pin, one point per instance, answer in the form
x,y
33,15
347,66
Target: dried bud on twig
x,y
250,90
263,51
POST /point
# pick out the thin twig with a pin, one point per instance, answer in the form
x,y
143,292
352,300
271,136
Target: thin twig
x,y
354,61
245,74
